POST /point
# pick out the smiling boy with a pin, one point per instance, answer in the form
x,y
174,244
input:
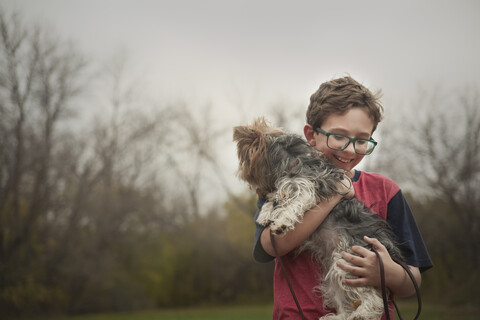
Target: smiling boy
x,y
341,119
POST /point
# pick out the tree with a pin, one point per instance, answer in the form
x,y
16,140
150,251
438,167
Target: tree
x,y
433,152
93,215
39,78
68,194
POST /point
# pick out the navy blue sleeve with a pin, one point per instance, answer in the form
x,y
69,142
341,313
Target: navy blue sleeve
x,y
401,219
259,253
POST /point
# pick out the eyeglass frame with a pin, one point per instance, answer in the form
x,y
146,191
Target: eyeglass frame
x,y
350,140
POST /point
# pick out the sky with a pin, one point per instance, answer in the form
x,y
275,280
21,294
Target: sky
x,y
278,49
254,53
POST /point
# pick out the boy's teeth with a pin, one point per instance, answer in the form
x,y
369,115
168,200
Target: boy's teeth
x,y
343,160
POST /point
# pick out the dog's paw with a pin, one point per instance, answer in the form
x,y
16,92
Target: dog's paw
x,y
279,230
265,216
283,221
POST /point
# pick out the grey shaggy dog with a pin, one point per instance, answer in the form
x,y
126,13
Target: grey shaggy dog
x,y
293,177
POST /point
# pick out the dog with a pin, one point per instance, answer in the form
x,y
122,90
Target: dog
x,y
293,177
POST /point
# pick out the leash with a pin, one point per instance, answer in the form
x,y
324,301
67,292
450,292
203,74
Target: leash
x,y
384,287
417,290
286,276
383,284
382,281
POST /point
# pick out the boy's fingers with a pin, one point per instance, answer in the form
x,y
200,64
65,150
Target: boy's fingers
x,y
353,259
361,251
377,245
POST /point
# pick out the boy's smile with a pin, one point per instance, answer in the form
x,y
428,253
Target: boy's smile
x,y
355,123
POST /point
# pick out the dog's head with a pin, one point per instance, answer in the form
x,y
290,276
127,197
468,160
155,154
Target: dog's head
x,y
253,143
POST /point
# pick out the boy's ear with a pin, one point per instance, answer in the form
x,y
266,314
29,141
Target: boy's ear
x,y
309,134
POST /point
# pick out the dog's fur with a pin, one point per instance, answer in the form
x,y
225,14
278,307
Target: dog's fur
x,y
293,177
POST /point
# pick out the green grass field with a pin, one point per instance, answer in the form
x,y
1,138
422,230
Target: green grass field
x,y
407,308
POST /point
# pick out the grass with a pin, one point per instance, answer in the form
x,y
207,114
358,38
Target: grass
x,y
407,308
204,313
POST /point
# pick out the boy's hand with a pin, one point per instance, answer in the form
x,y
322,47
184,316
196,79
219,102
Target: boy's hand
x,y
345,187
364,265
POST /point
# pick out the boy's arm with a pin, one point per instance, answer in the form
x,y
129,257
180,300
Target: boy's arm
x,y
311,220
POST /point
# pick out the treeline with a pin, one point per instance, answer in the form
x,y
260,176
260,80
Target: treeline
x,y
108,214
432,150
117,213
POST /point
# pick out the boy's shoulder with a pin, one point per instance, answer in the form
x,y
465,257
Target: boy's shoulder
x,y
375,182
372,177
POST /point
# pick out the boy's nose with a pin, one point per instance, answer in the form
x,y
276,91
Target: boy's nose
x,y
350,148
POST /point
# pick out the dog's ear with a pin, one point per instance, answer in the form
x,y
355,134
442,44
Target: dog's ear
x,y
252,143
251,152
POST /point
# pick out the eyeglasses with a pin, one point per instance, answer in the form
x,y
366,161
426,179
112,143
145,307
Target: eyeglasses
x,y
340,142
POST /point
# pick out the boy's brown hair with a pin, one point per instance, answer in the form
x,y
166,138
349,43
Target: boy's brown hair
x,y
340,95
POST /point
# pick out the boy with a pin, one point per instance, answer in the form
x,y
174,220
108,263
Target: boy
x,y
341,119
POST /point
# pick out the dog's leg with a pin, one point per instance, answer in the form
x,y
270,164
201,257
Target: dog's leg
x,y
333,290
293,197
333,317
351,303
265,216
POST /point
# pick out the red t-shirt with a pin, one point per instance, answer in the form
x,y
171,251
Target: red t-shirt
x,y
375,191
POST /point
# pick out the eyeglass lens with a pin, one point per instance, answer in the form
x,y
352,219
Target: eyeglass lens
x,y
340,142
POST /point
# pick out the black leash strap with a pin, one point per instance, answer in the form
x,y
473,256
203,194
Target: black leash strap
x,y
286,276
383,284
384,288
417,290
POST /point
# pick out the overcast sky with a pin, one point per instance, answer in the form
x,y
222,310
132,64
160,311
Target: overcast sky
x,y
269,51
275,49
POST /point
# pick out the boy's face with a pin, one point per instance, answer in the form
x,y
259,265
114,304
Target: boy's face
x,y
355,123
